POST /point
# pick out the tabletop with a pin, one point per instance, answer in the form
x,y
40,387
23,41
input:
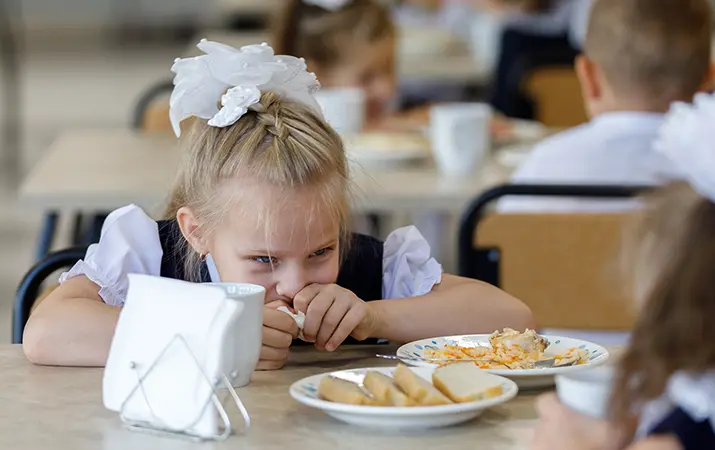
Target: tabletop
x,y
105,169
61,408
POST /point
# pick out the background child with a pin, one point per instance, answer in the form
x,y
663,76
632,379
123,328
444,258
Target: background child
x,y
667,376
536,33
350,45
263,197
639,57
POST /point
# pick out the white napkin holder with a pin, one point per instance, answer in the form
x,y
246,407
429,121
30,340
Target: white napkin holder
x,y
170,356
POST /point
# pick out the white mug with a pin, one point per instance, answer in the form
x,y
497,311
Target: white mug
x,y
588,391
246,338
460,136
343,108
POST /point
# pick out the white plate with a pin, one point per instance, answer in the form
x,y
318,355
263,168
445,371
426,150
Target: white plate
x,y
522,131
513,156
384,148
391,417
524,378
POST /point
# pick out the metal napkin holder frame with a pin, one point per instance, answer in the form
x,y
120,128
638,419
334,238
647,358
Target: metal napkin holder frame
x,y
184,432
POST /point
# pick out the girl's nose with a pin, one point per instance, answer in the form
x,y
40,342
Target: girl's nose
x,y
291,282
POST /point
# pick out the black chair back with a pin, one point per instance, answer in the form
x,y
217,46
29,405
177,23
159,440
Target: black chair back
x,y
29,287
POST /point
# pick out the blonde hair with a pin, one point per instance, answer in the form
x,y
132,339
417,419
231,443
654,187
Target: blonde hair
x,y
279,142
671,261
328,38
659,49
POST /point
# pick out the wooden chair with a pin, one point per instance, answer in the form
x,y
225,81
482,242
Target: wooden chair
x,y
557,94
28,292
563,266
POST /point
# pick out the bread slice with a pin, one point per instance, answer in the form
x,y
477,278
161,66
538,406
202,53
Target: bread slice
x,y
419,389
343,391
385,391
465,382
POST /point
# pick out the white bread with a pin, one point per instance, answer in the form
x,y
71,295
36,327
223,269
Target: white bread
x,y
343,391
385,391
465,382
419,389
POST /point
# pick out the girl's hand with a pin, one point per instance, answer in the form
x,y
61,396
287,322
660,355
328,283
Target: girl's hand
x,y
279,330
332,314
561,428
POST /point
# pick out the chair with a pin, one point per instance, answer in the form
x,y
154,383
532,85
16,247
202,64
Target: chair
x,y
152,111
563,266
29,288
557,94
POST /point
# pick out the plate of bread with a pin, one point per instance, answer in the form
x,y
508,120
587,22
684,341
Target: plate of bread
x,y
509,353
405,397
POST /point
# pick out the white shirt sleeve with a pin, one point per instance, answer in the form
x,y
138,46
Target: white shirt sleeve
x,y
408,268
129,244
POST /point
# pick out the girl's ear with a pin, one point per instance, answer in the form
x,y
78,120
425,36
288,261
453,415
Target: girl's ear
x,y
189,225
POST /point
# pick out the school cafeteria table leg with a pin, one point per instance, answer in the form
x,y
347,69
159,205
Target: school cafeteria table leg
x,y
77,229
47,234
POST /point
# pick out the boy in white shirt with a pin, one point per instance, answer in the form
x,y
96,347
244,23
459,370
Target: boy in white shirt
x,y
639,57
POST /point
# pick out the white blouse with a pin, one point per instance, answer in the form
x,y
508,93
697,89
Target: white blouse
x,y
130,244
694,393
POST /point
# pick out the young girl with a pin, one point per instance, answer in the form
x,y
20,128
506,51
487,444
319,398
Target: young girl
x,y
263,197
347,43
667,376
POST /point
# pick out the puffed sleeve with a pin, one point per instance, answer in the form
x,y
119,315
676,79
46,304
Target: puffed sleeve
x,y
408,267
129,243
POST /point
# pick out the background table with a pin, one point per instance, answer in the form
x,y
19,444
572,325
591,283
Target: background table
x,y
104,169
61,409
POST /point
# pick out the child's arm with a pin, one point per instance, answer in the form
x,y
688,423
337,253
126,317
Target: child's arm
x,y
71,327
455,306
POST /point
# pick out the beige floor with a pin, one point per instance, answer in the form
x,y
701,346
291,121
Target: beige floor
x,y
75,83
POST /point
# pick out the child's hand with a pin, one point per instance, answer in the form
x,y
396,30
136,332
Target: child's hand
x,y
561,428
279,330
332,314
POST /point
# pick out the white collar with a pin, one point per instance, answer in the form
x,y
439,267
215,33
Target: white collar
x,y
694,393
631,120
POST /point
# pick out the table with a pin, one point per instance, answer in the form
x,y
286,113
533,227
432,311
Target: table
x,y
106,168
61,408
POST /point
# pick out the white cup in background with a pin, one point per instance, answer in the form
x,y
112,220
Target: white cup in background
x,y
343,108
485,40
587,392
460,136
247,336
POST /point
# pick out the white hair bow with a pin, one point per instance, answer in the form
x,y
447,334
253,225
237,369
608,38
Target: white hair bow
x,y
330,5
687,138
235,78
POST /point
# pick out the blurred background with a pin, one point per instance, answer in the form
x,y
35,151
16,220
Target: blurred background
x,y
89,64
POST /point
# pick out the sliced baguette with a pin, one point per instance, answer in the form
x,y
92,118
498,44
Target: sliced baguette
x,y
465,382
419,389
385,391
343,391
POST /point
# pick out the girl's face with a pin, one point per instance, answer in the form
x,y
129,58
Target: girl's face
x,y
371,69
299,247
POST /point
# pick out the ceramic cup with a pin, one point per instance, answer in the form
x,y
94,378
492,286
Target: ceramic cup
x,y
587,392
247,335
343,108
460,136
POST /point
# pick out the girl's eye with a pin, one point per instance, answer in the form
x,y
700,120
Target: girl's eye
x,y
264,259
322,252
